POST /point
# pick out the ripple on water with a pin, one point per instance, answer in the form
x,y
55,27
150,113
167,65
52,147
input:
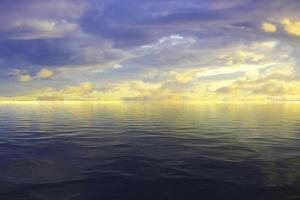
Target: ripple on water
x,y
149,151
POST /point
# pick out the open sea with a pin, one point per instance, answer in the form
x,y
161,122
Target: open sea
x,y
149,151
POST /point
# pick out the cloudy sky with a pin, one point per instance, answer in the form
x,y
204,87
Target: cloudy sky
x,y
150,50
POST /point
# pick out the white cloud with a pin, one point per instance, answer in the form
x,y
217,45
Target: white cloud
x,y
170,41
230,70
117,66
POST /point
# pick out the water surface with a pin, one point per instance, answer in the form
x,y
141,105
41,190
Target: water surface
x,y
88,150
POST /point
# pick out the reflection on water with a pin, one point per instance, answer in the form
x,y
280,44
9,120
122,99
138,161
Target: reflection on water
x,y
89,150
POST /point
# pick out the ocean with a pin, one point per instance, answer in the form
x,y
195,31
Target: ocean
x,y
149,150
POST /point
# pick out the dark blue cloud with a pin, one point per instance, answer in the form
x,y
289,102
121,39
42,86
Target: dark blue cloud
x,y
36,52
132,23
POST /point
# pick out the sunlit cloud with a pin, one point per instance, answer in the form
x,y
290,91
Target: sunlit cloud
x,y
192,50
291,26
24,77
44,73
269,27
82,88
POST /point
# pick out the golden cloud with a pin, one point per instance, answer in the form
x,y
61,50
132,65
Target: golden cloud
x,y
44,73
291,26
24,77
274,82
269,27
255,71
82,88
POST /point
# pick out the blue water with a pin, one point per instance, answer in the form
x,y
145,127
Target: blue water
x,y
93,151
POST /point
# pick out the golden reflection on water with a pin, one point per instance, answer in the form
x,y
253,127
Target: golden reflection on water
x,y
249,115
260,127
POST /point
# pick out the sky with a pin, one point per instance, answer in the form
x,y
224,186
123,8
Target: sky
x,y
140,50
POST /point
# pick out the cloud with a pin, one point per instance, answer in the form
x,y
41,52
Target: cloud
x,y
44,73
39,29
82,91
269,27
117,66
230,70
30,9
142,91
274,82
33,19
130,24
244,59
24,77
291,26
168,42
145,49
82,88
35,33
50,97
